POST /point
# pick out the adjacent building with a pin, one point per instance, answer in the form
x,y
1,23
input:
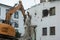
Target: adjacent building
x,y
16,19
46,15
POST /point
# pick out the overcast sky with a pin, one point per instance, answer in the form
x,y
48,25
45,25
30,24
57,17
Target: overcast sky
x,y
26,3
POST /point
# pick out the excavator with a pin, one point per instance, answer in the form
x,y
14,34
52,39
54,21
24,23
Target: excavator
x,y
6,29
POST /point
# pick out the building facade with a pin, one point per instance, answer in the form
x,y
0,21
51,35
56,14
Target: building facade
x,y
46,15
16,19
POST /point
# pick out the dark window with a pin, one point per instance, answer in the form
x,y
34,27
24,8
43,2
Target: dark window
x,y
52,11
45,13
52,30
0,11
7,10
42,1
16,25
16,15
35,14
44,31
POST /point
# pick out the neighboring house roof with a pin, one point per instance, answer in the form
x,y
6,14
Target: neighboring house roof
x,y
5,5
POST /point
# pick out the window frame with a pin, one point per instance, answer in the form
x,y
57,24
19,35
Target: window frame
x,y
44,11
51,28
52,11
43,30
16,25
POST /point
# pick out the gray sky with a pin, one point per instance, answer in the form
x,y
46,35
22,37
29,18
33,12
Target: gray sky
x,y
26,3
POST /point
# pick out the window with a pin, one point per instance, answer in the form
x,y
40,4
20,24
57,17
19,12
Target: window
x,y
44,31
45,13
16,25
52,11
16,15
7,10
42,1
0,11
52,30
35,14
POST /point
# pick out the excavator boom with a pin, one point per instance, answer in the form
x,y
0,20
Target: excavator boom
x,y
6,28
13,10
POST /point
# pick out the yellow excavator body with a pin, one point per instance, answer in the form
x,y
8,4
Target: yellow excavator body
x,y
6,29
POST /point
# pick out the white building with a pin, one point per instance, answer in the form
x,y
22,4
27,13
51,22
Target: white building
x,y
46,15
17,18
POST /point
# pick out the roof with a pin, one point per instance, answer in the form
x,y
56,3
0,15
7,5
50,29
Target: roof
x,y
33,6
39,4
5,5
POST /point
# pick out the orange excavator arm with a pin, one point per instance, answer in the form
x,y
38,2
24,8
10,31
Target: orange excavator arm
x,y
5,28
13,10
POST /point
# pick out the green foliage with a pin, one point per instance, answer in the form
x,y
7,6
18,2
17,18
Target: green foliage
x,y
18,34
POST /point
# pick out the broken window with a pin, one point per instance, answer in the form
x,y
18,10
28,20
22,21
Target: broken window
x,y
52,11
52,30
45,13
44,31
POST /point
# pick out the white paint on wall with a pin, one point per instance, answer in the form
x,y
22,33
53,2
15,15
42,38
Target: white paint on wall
x,y
48,21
